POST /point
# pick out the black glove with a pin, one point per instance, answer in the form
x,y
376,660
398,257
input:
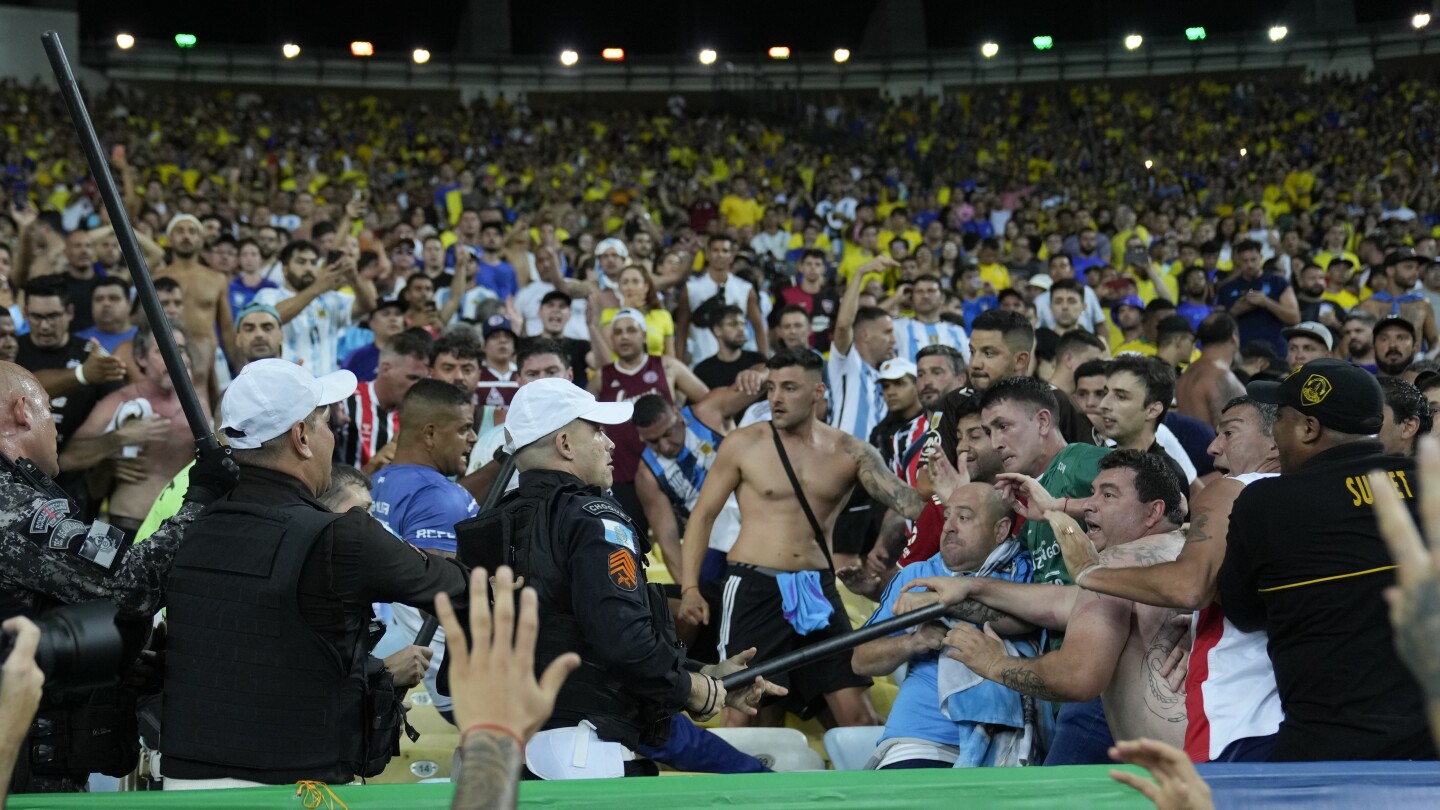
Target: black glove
x,y
215,473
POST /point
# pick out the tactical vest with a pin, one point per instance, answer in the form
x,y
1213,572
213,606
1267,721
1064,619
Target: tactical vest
x,y
248,683
520,533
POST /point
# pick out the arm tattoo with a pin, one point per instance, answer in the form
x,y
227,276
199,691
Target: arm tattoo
x,y
977,613
880,482
1028,682
489,773
1197,533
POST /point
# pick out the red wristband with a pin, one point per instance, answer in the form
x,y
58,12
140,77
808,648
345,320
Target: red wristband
x,y
494,727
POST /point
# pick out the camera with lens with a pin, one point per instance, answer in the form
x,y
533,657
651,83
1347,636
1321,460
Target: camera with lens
x,y
80,646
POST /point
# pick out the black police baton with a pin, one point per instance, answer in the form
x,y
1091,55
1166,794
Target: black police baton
x,y
497,488
120,221
801,657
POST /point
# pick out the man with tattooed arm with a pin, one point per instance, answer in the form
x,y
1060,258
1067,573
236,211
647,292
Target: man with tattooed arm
x,y
779,591
1114,648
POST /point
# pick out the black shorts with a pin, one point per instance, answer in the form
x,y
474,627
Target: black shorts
x,y
859,525
751,615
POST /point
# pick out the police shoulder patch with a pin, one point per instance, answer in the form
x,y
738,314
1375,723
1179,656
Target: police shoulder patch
x,y
622,570
619,534
600,506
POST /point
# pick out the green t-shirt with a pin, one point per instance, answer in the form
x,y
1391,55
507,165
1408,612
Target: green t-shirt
x,y
1070,475
167,505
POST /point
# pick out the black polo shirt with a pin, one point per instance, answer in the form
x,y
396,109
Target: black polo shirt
x,y
1305,562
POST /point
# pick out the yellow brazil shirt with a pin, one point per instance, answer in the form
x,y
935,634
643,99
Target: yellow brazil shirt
x,y
658,326
740,212
996,275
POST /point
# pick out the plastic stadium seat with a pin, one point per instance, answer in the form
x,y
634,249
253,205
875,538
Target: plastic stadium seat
x,y
781,749
850,748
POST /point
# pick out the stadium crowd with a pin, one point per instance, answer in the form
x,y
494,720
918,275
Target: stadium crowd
x,y
1083,364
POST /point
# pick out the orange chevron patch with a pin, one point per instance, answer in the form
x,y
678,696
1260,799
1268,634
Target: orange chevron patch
x,y
622,570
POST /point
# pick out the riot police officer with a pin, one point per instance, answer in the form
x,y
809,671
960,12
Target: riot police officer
x,y
578,549
48,557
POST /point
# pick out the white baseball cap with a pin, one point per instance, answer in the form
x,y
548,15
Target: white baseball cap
x,y
544,406
633,314
1041,280
607,245
269,396
897,368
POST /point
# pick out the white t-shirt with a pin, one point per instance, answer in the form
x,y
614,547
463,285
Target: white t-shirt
x,y
312,337
776,244
1091,319
528,302
702,288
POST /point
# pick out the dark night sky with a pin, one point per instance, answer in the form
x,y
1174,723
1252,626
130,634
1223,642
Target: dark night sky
x,y
681,26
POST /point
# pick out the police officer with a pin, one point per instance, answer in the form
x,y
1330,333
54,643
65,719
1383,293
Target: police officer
x,y
48,557
268,676
581,553
1305,562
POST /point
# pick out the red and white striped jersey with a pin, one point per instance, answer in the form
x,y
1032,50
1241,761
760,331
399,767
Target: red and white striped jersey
x,y
1230,688
371,427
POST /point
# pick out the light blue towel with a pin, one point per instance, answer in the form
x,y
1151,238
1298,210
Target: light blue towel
x,y
803,602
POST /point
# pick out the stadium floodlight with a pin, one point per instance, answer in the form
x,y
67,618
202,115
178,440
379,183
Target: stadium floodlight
x,y
989,49
1149,164
186,40
362,49
569,58
1044,42
290,50
1195,33
1244,151
1278,32
1133,41
124,41
421,56
613,54
1420,20
707,56
780,52
842,55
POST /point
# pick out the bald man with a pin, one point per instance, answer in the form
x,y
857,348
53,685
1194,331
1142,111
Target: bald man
x,y
48,556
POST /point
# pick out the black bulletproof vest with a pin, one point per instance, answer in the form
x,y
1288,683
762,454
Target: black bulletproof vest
x,y
520,533
248,683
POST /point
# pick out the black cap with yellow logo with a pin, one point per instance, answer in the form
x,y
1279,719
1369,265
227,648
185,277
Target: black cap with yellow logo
x,y
1341,396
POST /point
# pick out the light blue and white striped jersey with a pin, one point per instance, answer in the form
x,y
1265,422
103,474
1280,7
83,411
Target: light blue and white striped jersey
x,y
856,406
911,336
681,478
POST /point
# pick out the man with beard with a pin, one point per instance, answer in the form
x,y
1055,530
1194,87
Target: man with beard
x,y
784,544
1233,706
1261,303
731,357
207,296
1394,340
1402,272
939,370
927,328
415,498
1113,648
1359,335
163,449
1195,296
1310,292
1002,344
258,333
313,308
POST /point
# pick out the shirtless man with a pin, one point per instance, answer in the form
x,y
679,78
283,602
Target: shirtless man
x,y
1113,647
207,296
1234,702
777,542
167,446
1402,271
1208,383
